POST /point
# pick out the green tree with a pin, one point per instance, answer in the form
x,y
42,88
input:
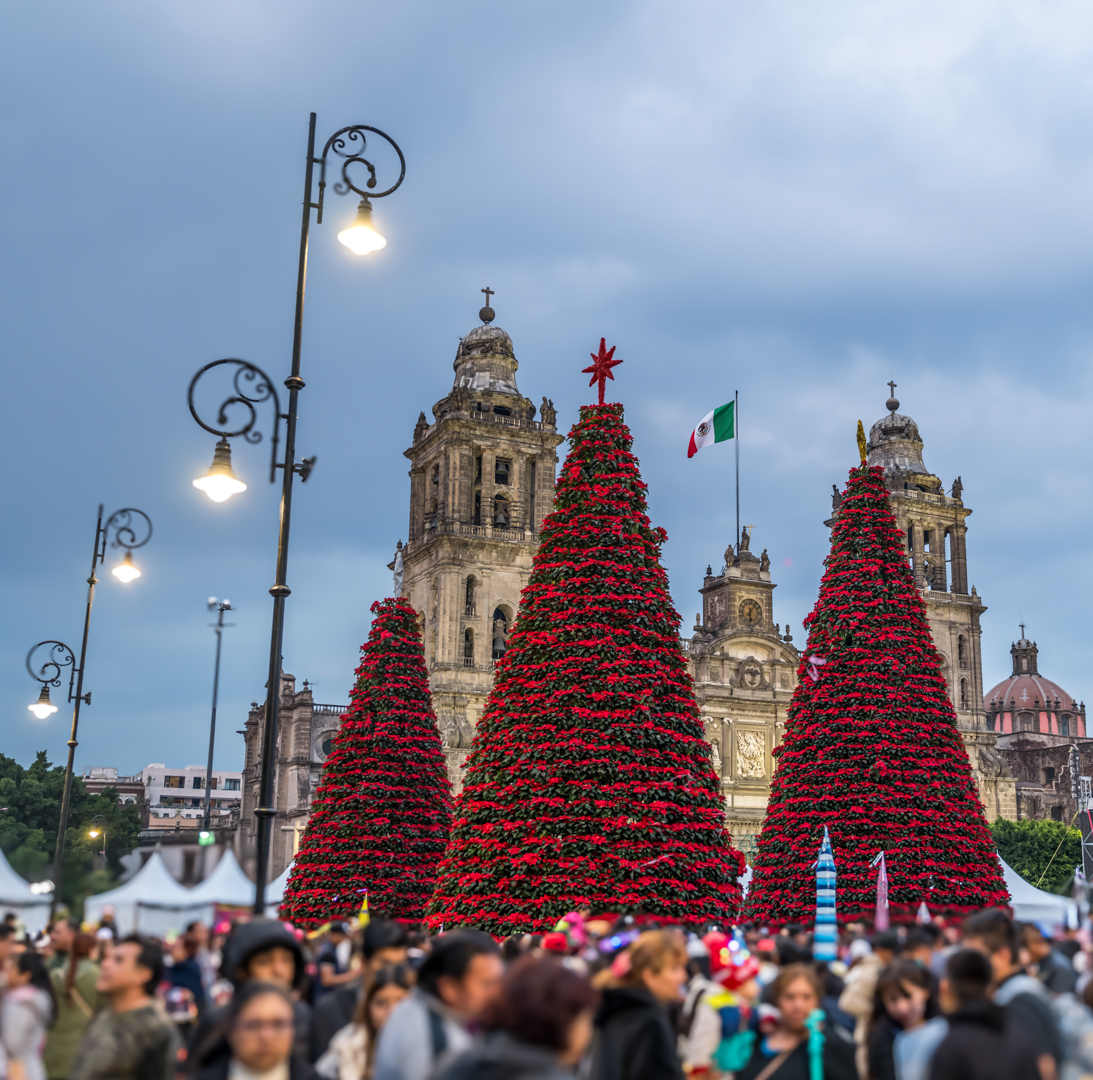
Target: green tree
x,y
31,797
1044,853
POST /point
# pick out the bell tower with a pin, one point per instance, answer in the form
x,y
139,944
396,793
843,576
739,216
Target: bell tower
x,y
481,482
934,525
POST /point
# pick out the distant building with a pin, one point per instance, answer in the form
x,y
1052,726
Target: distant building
x,y
130,789
174,794
1038,723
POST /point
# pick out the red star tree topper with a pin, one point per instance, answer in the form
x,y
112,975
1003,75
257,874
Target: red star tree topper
x,y
589,781
381,815
871,748
601,366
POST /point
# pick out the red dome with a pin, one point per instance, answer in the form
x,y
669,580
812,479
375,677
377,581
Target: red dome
x,y
1026,701
1026,692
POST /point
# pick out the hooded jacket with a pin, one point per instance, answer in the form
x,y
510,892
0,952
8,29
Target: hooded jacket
x,y
633,1038
209,1041
984,1044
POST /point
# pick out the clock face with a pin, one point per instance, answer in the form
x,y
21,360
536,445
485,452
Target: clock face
x,y
750,612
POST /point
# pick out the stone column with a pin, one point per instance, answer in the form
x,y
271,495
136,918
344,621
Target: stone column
x,y
489,455
939,573
959,558
918,556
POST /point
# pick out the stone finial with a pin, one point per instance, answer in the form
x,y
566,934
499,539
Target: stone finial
x,y
958,489
421,426
487,314
893,402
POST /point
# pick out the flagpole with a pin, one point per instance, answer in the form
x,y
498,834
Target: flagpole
x,y
736,440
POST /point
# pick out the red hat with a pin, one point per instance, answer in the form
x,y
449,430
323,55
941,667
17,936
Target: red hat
x,y
732,968
555,942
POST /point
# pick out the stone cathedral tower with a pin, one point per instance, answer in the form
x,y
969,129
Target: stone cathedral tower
x,y
934,524
481,482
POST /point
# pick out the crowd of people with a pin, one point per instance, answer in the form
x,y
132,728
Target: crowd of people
x,y
596,998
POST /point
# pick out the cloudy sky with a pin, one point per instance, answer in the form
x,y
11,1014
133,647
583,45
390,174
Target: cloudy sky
x,y
796,201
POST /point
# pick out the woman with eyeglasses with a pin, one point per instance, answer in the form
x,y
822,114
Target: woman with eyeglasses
x,y
260,1036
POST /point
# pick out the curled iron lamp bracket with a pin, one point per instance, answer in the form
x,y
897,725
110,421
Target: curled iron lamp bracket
x,y
344,144
251,386
59,656
127,526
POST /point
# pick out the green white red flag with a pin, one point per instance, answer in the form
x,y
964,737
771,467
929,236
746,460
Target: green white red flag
x,y
716,426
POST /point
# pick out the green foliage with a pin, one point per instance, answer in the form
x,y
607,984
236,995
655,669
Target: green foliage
x,y
1031,847
28,827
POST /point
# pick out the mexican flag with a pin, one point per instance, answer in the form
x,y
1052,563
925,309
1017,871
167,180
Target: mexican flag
x,y
714,427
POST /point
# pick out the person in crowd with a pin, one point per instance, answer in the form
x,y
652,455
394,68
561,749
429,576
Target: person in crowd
x,y
198,933
261,1024
861,987
261,950
130,1039
537,1027
981,1043
993,933
28,1010
7,947
62,932
77,1001
905,999
635,1040
924,946
455,982
334,961
384,943
352,1051
1054,969
783,1054
185,973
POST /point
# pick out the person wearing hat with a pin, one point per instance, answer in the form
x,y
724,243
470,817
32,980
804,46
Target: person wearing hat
x,y
734,971
261,950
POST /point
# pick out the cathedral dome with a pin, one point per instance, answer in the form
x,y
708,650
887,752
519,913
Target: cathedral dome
x,y
1026,701
485,359
896,446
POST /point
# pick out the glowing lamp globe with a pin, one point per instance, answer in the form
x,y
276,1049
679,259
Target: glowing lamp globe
x,y
126,570
361,238
43,707
220,483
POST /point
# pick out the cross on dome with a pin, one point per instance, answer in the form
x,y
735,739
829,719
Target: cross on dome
x,y
601,366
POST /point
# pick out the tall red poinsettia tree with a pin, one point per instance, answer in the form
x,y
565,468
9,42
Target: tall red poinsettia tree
x,y
871,747
382,812
589,781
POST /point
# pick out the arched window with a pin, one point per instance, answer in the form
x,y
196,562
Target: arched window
x,y
468,647
500,633
963,693
502,514
471,583
960,651
1064,724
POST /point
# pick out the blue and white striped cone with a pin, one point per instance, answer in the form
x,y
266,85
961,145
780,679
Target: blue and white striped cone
x,y
825,938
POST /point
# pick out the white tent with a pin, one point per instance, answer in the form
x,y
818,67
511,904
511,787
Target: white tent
x,y
275,891
15,895
227,885
1034,905
151,900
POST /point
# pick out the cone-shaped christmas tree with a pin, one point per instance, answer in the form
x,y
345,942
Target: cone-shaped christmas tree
x,y
589,781
382,812
871,747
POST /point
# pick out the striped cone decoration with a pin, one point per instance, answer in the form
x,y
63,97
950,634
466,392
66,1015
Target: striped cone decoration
x,y
825,938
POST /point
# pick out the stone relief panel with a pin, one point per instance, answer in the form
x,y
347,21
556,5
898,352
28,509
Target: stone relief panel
x,y
751,755
713,736
749,675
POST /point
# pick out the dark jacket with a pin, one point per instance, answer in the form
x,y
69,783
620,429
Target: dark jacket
x,y
501,1057
187,975
882,1039
218,1070
983,1045
1028,1010
838,1062
329,1015
1057,973
633,1039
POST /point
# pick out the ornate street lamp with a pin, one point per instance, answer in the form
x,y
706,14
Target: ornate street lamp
x,y
252,387
132,529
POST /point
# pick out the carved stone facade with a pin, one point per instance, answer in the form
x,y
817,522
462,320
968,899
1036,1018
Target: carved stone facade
x,y
303,744
934,524
745,671
481,482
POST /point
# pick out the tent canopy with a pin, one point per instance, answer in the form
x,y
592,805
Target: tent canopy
x,y
14,891
150,900
275,891
1035,905
226,885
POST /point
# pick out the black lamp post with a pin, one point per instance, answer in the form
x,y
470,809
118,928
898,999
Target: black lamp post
x,y
128,526
251,387
221,606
